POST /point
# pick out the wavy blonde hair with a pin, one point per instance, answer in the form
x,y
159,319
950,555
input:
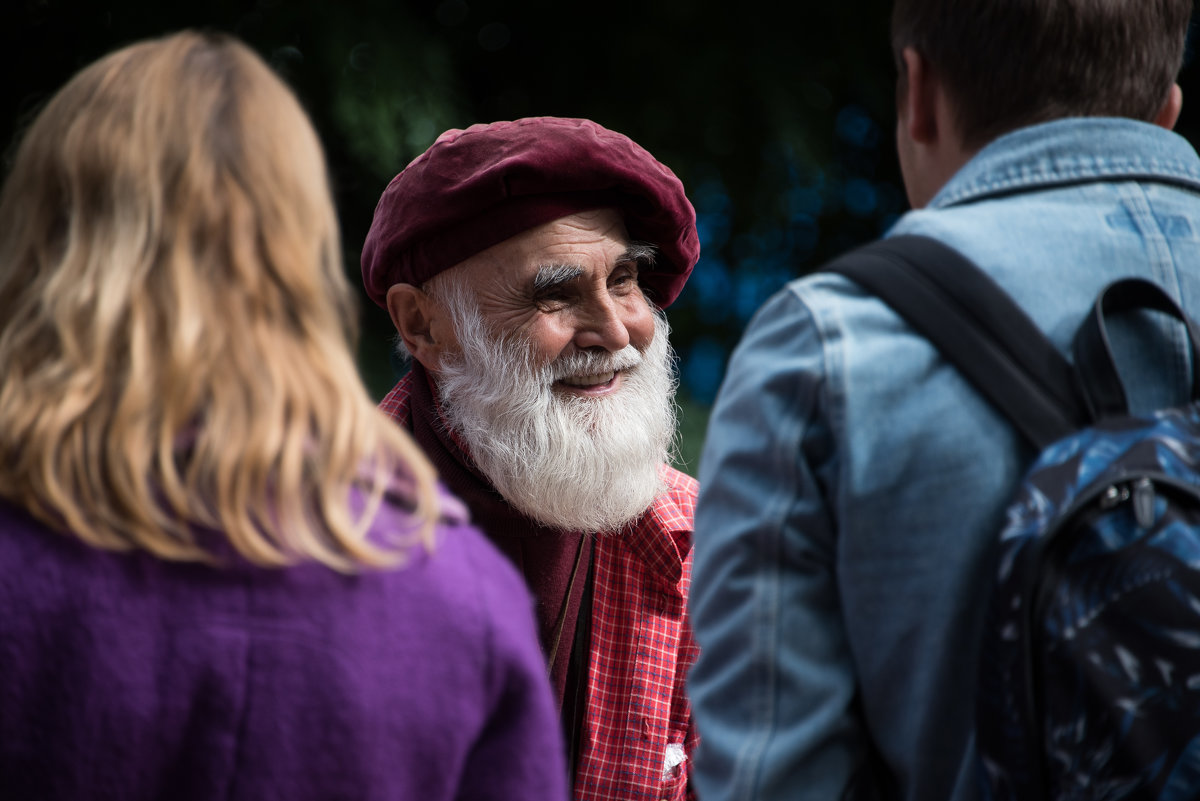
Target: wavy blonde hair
x,y
175,352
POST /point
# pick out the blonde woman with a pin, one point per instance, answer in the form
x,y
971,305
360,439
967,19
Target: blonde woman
x,y
224,573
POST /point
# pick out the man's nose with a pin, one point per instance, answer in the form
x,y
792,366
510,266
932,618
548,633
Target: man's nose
x,y
602,324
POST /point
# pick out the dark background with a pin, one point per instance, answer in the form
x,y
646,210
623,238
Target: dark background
x,y
778,117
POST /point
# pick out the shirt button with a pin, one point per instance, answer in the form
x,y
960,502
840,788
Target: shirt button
x,y
646,728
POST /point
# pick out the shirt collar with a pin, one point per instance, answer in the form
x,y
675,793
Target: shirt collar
x,y
1072,151
662,537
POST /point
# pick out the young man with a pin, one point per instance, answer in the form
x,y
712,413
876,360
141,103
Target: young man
x,y
854,484
525,266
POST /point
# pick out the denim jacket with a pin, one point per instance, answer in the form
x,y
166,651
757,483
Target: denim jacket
x,y
853,486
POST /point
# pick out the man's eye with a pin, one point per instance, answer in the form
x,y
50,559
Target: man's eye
x,y
625,275
550,300
624,280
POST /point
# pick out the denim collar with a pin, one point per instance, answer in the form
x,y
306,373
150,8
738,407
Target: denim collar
x,y
1072,151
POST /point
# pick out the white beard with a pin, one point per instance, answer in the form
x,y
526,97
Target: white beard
x,y
569,462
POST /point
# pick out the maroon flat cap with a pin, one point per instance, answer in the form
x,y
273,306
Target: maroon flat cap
x,y
475,188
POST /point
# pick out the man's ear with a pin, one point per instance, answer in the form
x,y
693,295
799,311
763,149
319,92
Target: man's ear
x,y
919,96
1168,115
420,321
928,136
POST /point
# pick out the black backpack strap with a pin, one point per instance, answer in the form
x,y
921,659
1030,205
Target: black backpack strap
x,y
1098,373
977,327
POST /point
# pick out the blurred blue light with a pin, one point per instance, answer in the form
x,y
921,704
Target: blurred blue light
x,y
859,197
709,289
804,200
854,126
713,229
755,285
711,196
702,369
805,235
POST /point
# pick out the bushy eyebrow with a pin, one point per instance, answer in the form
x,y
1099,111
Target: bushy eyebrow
x,y
551,276
555,275
643,253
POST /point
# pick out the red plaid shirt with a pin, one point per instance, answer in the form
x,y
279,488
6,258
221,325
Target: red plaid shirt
x,y
641,648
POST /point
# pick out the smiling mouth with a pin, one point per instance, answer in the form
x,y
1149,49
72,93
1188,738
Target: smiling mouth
x,y
589,380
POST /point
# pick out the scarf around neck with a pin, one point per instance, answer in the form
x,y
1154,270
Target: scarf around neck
x,y
545,556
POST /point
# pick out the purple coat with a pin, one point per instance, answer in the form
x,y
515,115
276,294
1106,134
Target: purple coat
x,y
126,677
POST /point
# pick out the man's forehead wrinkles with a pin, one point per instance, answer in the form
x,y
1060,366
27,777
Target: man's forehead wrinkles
x,y
554,274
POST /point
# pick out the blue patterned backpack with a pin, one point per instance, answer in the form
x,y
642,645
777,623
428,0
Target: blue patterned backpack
x,y
1089,674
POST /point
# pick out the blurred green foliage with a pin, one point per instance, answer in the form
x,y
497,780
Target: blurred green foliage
x,y
776,116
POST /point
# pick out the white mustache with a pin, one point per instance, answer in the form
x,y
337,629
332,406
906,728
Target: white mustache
x,y
586,363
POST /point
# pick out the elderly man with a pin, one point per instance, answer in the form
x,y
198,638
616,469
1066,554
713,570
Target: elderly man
x,y
525,265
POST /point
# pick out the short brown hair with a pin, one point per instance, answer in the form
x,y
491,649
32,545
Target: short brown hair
x,y
1010,63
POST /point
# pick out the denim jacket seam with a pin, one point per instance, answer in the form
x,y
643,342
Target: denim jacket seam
x,y
1165,270
753,760
827,322
1030,180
